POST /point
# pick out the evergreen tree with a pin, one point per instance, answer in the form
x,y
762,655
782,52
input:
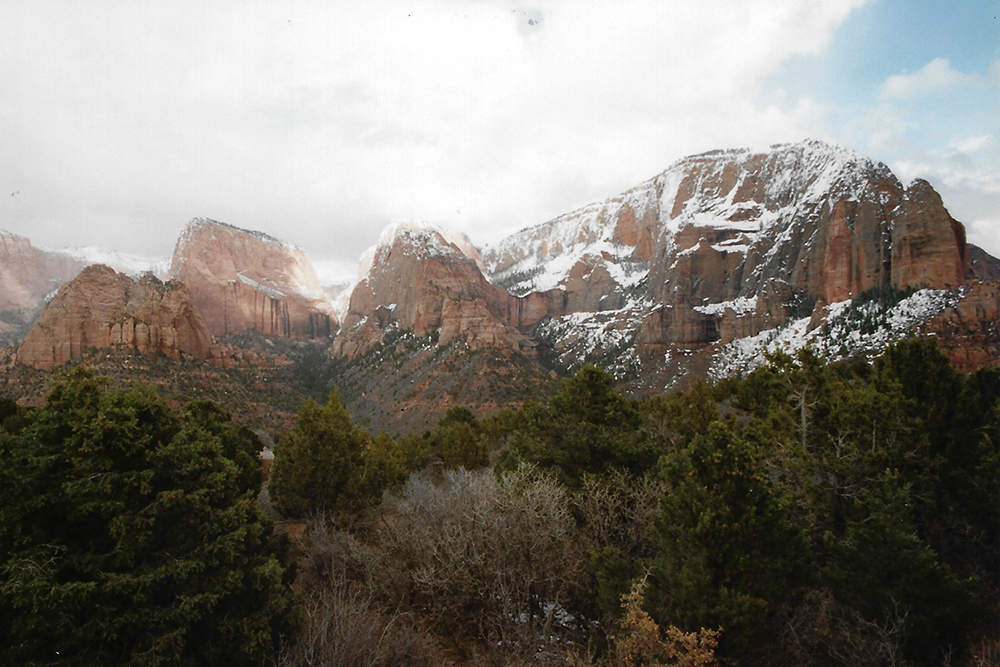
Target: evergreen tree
x,y
317,465
726,554
458,438
130,534
883,569
588,427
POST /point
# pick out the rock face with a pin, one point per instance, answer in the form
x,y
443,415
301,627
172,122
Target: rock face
x,y
101,308
982,265
421,281
727,244
247,280
28,274
721,249
928,246
969,331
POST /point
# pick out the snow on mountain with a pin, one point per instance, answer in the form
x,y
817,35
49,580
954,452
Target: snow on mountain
x,y
131,265
851,328
540,258
427,236
742,194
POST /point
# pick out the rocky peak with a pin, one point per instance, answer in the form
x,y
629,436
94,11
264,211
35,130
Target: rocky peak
x,y
928,245
101,308
28,274
719,247
242,279
727,244
419,279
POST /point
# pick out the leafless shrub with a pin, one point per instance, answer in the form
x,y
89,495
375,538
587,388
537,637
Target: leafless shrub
x,y
493,559
332,554
820,632
616,510
344,628
986,653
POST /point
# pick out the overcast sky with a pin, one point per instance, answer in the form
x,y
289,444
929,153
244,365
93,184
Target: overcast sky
x,y
320,122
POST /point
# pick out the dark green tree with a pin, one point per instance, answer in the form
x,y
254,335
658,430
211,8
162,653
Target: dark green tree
x,y
458,438
884,570
130,534
588,427
318,465
726,554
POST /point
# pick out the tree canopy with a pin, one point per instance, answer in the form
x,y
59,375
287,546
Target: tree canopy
x,y
130,534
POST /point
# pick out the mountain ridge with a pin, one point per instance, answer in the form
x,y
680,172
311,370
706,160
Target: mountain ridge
x,y
695,272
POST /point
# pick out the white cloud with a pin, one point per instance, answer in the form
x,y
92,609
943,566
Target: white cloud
x,y
319,122
972,144
985,233
936,76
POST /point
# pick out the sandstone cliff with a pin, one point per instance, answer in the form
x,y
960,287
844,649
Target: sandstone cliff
x,y
247,280
102,308
418,280
727,244
27,275
969,330
701,269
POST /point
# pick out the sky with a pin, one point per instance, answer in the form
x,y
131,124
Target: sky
x,y
319,122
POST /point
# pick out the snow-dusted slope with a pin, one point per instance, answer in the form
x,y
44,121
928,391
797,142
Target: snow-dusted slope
x,y
541,258
429,238
725,246
740,197
131,265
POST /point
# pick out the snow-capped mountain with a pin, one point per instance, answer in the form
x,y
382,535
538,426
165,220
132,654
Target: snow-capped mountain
x,y
721,247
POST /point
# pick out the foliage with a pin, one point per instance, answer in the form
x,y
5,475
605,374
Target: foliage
x,y
130,534
810,513
727,554
459,440
588,427
640,643
328,464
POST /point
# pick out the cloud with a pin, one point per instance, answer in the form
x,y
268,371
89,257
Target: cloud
x,y
936,76
972,144
320,122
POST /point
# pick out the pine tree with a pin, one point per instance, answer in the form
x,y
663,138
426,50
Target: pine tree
x,y
130,534
726,554
317,465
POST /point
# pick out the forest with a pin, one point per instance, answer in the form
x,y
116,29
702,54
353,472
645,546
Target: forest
x,y
809,513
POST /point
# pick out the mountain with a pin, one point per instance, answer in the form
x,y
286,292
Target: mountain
x,y
27,276
102,308
244,280
421,281
723,252
698,272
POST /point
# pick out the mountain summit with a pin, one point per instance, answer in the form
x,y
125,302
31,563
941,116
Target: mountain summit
x,y
654,283
241,280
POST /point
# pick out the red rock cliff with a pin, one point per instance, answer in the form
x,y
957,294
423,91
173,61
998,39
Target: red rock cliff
x,y
421,282
101,308
28,274
247,280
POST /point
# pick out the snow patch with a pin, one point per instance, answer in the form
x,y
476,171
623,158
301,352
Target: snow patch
x,y
743,305
131,265
850,328
269,291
